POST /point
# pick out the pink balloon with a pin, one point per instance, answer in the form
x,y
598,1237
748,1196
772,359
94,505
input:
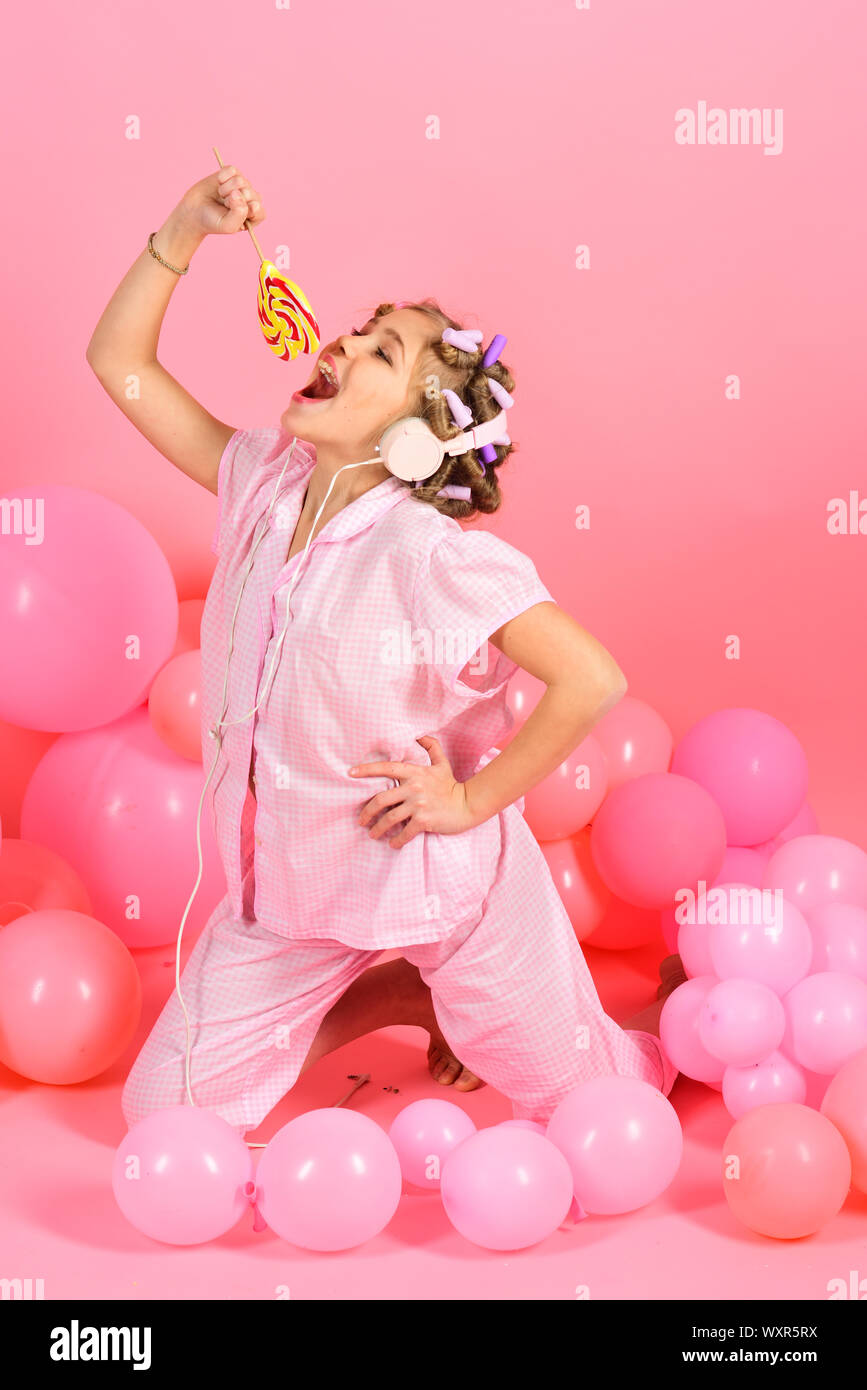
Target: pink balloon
x,y
70,997
523,694
581,890
761,937
557,806
816,869
189,636
742,1022
424,1133
624,927
174,705
692,917
116,803
839,938
33,877
769,1082
826,1021
804,823
183,1175
741,866
751,764
845,1105
623,1142
656,835
329,1180
786,1170
635,740
91,612
523,1124
506,1188
678,1030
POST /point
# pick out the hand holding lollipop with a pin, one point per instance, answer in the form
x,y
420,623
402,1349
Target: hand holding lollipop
x,y
285,316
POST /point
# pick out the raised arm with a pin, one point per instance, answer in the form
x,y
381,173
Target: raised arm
x,y
123,348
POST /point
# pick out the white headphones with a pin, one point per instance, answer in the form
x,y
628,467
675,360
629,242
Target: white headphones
x,y
411,451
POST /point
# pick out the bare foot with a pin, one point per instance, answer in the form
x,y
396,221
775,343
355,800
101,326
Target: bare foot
x,y
445,1068
442,1063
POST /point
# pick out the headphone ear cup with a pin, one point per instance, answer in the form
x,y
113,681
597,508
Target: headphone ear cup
x,y
410,450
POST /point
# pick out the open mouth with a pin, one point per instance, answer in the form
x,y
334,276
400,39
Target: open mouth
x,y
323,386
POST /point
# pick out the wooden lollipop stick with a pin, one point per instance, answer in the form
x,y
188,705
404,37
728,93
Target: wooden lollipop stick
x,y
362,1081
247,223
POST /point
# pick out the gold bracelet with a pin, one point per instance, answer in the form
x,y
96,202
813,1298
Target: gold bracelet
x,y
156,255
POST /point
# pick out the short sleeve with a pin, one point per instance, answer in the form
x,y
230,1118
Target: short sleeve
x,y
468,586
239,473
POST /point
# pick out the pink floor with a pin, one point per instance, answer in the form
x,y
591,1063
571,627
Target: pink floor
x,y
59,1221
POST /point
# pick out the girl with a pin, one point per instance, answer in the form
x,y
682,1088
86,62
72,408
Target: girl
x,y
359,798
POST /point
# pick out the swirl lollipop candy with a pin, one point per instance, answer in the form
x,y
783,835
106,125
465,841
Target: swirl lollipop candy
x,y
285,316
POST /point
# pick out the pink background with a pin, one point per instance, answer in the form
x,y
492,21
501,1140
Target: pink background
x,y
708,515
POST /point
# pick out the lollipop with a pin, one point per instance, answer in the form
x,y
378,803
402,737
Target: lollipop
x,y
285,316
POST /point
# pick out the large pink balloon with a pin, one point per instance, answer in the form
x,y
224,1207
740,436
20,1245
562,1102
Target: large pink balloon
x,y
761,938
174,705
33,877
558,806
752,765
581,890
839,938
742,1022
826,1018
121,808
769,1082
656,835
678,1030
424,1133
506,1188
90,613
329,1180
812,870
635,740
623,1142
183,1175
786,1170
70,996
845,1105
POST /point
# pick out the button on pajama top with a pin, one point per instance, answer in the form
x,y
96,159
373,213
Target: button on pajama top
x,y
388,621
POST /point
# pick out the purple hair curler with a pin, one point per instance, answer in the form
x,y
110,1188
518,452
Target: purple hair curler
x,y
495,347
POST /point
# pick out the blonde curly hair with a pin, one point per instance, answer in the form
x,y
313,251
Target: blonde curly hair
x,y
442,366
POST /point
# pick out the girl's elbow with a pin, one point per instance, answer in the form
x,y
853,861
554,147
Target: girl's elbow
x,y
612,696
